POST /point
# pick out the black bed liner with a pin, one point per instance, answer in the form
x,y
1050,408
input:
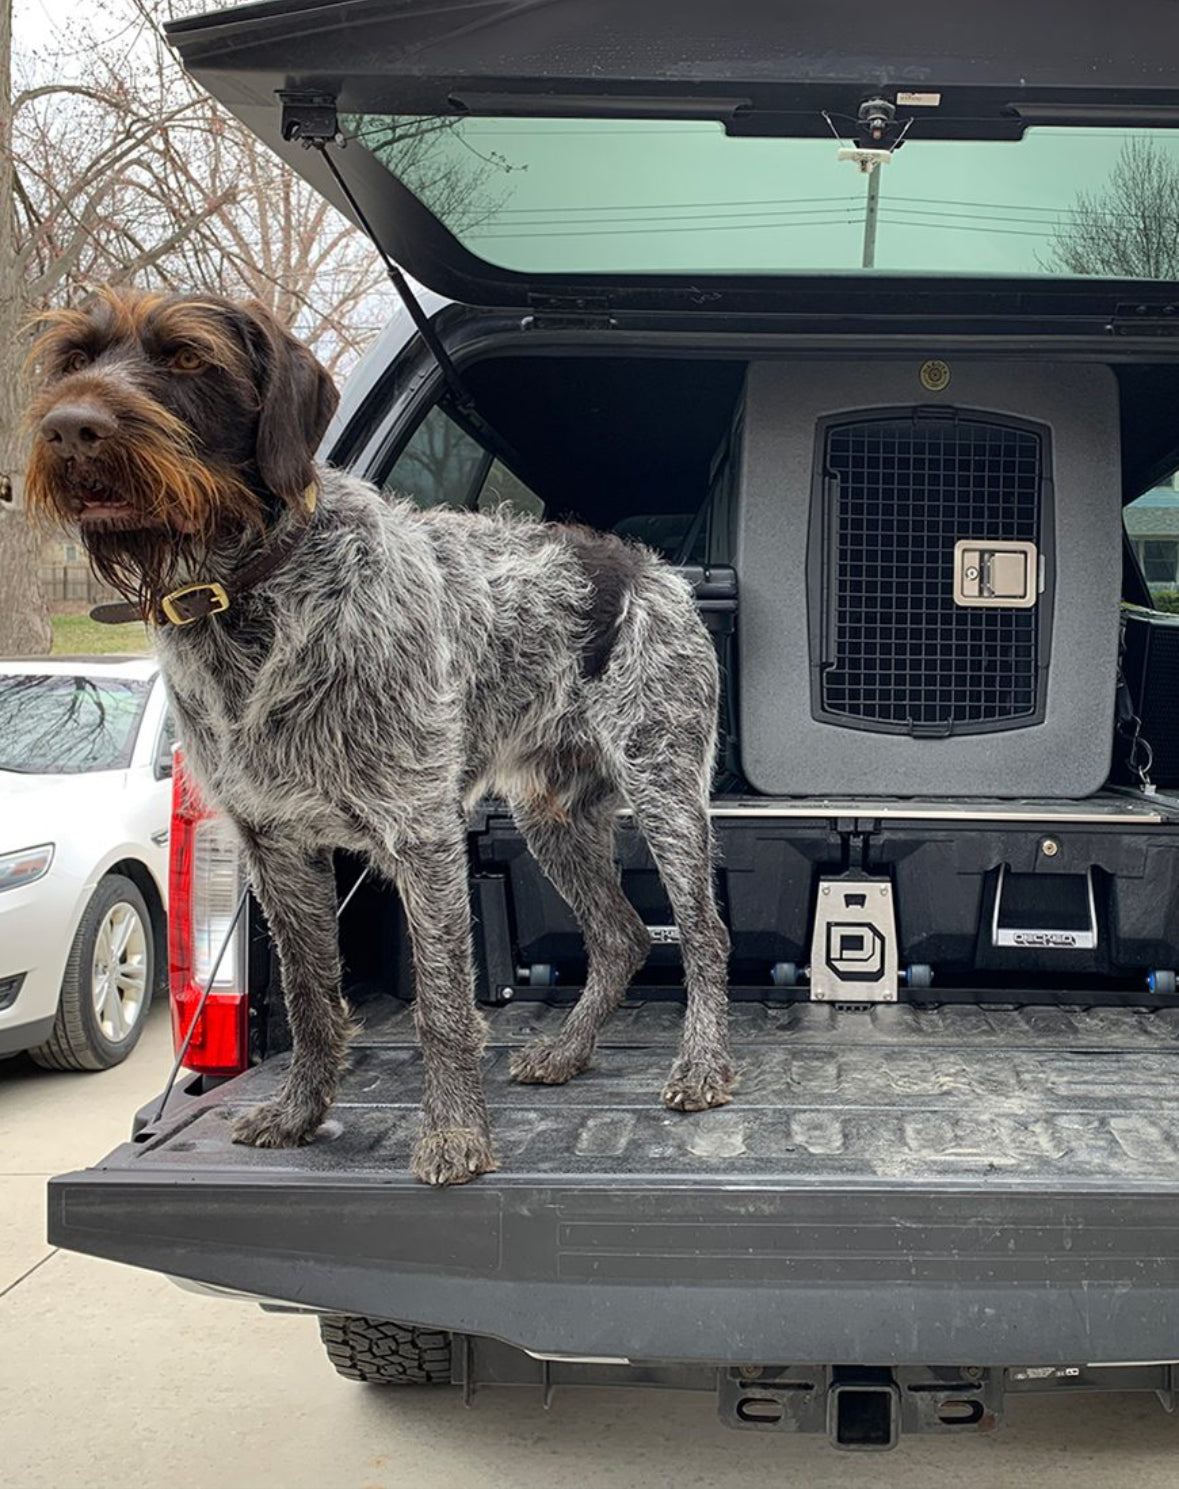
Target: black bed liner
x,y
881,1184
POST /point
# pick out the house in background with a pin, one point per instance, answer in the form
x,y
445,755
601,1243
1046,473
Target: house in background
x,y
1152,523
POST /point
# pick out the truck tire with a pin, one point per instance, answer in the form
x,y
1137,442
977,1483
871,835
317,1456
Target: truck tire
x,y
107,987
385,1354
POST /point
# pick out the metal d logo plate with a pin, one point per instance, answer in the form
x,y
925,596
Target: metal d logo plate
x,y
935,376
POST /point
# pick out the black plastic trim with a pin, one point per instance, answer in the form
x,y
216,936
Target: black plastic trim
x,y
716,1272
10,989
996,70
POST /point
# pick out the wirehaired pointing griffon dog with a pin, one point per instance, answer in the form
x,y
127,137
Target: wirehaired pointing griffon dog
x,y
350,672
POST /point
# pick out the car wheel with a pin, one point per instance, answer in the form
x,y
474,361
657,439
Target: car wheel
x,y
380,1353
106,990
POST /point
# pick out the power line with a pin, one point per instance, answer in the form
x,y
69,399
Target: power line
x,y
783,218
706,227
558,216
903,217
490,236
782,201
787,204
626,223
976,217
1017,207
957,227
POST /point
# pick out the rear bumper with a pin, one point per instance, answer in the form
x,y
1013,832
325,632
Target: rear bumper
x,y
723,1275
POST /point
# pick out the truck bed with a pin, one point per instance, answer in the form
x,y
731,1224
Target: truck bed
x,y
880,1186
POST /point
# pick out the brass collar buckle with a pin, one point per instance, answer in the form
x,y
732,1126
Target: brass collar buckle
x,y
216,601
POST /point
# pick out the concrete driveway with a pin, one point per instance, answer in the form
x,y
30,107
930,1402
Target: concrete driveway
x,y
116,1379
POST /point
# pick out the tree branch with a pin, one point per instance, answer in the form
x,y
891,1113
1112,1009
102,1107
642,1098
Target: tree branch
x,y
77,90
152,256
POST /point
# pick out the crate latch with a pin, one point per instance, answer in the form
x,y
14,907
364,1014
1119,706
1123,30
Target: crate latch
x,y
1005,573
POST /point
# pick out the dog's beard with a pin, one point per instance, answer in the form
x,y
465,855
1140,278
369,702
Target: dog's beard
x,y
146,507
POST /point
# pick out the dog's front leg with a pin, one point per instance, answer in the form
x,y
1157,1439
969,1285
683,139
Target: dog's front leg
x,y
297,891
431,876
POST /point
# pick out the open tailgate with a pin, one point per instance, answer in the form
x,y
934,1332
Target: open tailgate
x,y
904,1186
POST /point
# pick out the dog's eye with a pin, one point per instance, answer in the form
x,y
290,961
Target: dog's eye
x,y
186,360
76,361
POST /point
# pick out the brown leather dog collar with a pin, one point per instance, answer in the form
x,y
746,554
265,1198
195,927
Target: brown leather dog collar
x,y
196,601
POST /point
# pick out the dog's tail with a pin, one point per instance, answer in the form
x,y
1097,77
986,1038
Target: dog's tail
x,y
663,676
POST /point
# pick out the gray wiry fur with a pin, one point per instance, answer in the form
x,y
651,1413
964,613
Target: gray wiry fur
x,y
399,667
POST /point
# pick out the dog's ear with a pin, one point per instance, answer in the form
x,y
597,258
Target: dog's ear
x,y
297,399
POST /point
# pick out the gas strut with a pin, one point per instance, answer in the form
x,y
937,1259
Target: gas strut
x,y
311,119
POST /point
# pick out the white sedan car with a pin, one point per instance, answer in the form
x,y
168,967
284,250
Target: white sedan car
x,y
85,761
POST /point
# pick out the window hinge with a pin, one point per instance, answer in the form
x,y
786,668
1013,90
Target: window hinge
x,y
1136,318
569,312
309,118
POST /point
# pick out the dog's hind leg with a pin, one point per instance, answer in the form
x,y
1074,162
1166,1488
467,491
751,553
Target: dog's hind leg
x,y
575,850
672,816
297,891
431,876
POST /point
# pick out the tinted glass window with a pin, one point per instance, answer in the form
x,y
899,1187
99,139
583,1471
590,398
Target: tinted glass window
x,y
1152,525
57,724
1159,561
666,196
502,491
441,466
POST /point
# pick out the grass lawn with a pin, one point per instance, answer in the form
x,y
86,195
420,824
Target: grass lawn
x,y
79,636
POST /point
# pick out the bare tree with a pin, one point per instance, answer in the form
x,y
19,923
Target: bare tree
x,y
271,235
23,623
1131,228
278,241
275,238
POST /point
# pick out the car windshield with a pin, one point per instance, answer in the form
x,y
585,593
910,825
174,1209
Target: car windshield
x,y
668,196
57,723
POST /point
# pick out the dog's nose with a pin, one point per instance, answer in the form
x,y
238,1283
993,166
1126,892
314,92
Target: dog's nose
x,y
76,429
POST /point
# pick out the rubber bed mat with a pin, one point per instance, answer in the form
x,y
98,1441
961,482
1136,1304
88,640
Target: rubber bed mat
x,y
1036,1097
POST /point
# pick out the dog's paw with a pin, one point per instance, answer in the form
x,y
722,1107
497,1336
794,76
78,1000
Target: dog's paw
x,y
275,1124
452,1155
697,1085
547,1064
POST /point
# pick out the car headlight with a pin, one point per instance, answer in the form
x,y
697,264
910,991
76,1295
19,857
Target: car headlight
x,y
25,867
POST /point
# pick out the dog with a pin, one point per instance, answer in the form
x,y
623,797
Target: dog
x,y
374,670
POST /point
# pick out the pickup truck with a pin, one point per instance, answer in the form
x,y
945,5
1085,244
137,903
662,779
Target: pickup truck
x,y
794,297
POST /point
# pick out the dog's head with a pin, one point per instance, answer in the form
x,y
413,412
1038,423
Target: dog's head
x,y
162,422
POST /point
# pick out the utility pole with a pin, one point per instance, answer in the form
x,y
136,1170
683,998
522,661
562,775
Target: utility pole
x,y
871,218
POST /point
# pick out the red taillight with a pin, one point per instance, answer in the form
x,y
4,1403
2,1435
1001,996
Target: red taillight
x,y
204,882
